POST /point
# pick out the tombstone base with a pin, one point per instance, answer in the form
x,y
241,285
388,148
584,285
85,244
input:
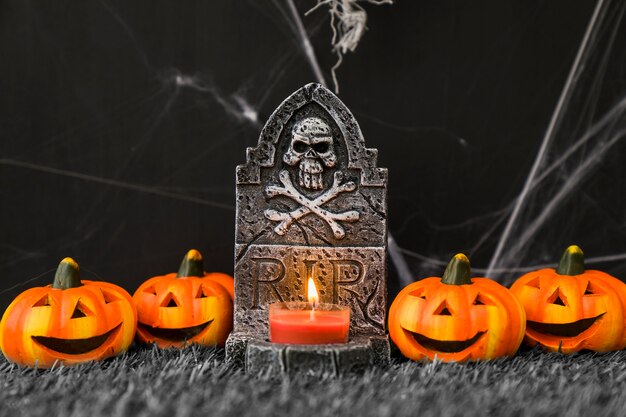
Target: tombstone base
x,y
259,356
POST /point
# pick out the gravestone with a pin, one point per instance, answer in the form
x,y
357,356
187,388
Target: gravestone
x,y
310,202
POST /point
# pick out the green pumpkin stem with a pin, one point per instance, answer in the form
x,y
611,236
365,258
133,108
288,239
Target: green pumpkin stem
x,y
67,275
192,265
572,262
458,271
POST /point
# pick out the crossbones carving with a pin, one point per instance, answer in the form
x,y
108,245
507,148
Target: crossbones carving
x,y
307,205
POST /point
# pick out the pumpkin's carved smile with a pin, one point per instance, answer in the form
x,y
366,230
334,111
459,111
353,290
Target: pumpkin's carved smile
x,y
456,318
175,335
76,346
445,346
563,329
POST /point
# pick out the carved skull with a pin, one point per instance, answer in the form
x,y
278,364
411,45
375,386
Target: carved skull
x,y
312,148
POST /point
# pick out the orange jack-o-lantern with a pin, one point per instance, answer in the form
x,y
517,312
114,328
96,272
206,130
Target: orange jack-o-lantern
x,y
455,318
570,308
190,306
70,321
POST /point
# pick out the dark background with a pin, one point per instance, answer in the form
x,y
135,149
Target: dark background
x,y
121,123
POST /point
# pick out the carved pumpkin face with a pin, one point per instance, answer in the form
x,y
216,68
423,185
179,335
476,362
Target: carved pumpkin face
x,y
189,307
456,319
71,321
570,309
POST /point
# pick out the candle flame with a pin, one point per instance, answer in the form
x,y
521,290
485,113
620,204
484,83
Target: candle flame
x,y
314,298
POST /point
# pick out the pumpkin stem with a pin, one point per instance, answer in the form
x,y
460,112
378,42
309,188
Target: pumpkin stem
x,y
192,265
572,262
67,275
458,271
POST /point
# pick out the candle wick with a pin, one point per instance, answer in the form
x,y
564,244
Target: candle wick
x,y
312,315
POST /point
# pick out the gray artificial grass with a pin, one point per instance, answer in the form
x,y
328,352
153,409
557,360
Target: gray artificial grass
x,y
197,381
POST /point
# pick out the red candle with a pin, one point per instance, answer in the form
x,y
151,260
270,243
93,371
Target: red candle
x,y
309,323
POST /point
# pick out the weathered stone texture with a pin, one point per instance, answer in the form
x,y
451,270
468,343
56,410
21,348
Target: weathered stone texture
x,y
315,360
311,201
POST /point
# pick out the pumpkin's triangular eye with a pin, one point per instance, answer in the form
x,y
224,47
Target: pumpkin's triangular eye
x,y
169,301
109,297
44,301
588,290
81,310
535,282
558,299
150,290
201,293
443,310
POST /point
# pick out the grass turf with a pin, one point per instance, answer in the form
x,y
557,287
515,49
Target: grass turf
x,y
197,381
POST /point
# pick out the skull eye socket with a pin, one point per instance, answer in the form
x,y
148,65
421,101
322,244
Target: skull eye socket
x,y
300,146
321,147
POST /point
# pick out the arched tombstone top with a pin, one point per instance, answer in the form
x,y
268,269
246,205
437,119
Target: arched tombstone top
x,y
336,113
311,180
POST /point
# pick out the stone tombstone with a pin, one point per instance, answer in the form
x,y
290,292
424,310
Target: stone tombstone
x,y
310,202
